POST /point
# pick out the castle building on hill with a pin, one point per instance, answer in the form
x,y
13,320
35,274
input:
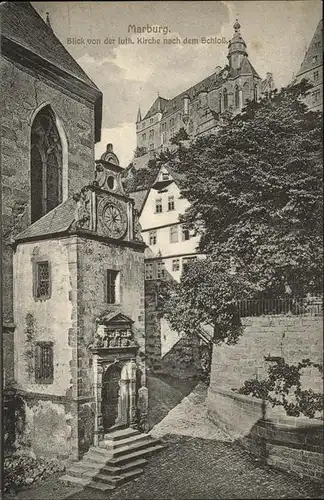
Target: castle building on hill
x,y
199,109
311,69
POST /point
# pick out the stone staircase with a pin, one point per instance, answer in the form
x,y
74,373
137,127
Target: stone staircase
x,y
120,457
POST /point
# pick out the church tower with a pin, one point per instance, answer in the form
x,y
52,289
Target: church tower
x,y
236,48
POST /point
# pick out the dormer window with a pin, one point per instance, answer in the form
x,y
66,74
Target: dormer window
x,y
165,176
315,59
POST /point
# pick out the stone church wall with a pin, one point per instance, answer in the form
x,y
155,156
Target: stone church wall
x,y
23,93
48,406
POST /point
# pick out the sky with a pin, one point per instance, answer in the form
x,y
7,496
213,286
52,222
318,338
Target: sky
x,y
277,34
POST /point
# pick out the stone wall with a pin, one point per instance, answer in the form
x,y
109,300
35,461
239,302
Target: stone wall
x,y
290,443
23,94
152,324
291,337
166,350
48,406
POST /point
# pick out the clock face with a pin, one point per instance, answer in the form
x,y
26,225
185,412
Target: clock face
x,y
114,220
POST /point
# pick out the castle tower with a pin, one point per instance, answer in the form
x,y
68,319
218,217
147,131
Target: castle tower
x,y
236,48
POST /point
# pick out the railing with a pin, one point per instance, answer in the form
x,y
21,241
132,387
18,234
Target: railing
x,y
309,306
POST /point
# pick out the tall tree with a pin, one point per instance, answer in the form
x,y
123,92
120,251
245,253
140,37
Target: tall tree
x,y
255,190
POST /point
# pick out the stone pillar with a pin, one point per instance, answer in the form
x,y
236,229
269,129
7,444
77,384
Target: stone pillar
x,y
132,368
241,99
143,409
99,430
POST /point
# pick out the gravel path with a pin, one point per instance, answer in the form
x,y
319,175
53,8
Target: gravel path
x,y
189,418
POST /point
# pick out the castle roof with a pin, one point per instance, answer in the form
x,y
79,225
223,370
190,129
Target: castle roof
x,y
168,107
157,106
22,24
314,49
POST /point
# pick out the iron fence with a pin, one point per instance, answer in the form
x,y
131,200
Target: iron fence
x,y
308,306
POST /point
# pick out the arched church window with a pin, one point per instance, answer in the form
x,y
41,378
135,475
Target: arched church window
x,y
46,164
255,96
237,96
225,99
246,92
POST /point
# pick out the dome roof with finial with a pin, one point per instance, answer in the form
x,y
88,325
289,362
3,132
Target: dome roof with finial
x,y
236,25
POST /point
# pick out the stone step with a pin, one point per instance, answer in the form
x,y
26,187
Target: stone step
x,y
85,465
129,448
84,483
113,480
113,445
117,427
136,454
121,434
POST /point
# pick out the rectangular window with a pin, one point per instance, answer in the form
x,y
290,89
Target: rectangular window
x,y
158,205
151,147
149,271
316,96
316,76
171,203
315,59
152,236
151,120
186,261
112,287
160,270
143,137
151,134
174,234
175,264
42,284
165,176
44,365
185,234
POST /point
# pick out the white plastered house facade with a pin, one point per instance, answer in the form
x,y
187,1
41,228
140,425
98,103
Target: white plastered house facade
x,y
170,247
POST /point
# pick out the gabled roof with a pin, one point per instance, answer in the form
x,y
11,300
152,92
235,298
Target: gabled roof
x,y
314,49
157,106
247,68
139,197
21,24
58,220
116,315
